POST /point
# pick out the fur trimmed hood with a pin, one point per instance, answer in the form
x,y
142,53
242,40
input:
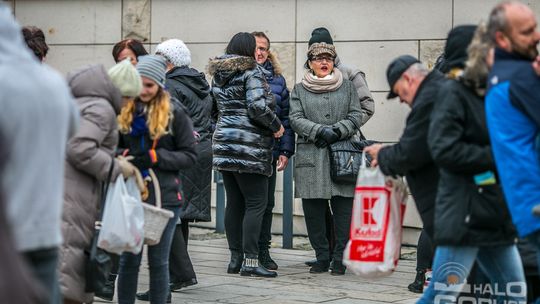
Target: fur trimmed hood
x,y
224,67
272,57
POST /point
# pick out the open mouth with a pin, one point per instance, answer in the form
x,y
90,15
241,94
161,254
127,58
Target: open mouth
x,y
324,69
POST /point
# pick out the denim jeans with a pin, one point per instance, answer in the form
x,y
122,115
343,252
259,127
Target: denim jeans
x,y
266,226
43,264
452,264
158,264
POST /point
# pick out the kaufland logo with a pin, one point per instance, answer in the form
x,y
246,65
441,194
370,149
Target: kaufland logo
x,y
455,282
372,215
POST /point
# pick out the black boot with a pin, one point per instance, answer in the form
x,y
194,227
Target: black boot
x,y
310,263
337,268
320,266
108,292
418,285
145,296
235,263
251,267
266,260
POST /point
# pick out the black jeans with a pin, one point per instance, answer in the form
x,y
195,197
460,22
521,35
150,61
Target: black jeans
x,y
314,214
266,227
425,251
247,195
43,264
158,262
180,266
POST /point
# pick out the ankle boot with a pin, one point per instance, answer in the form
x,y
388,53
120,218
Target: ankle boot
x,y
320,266
107,293
418,285
251,267
266,260
235,263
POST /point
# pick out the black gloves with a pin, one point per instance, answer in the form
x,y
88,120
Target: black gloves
x,y
143,161
326,136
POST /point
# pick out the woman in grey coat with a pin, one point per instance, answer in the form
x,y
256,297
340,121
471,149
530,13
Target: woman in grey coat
x,y
324,109
88,158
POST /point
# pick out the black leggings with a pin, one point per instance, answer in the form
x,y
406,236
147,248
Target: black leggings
x,y
315,213
247,196
424,253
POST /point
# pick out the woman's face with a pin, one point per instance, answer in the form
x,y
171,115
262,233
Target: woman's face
x,y
125,53
150,89
322,65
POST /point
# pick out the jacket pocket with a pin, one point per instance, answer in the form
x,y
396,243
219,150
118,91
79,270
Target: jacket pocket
x,y
304,157
487,208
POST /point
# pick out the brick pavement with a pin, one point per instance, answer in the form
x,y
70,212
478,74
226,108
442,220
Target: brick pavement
x,y
294,283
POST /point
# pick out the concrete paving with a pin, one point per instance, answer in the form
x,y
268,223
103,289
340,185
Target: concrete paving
x,y
294,283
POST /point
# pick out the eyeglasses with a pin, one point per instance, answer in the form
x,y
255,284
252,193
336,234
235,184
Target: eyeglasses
x,y
322,58
262,50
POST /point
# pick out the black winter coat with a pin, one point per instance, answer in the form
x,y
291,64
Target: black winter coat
x,y
465,214
243,138
175,151
411,158
278,87
189,86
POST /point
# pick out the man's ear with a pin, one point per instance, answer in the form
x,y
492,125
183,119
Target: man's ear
x,y
501,39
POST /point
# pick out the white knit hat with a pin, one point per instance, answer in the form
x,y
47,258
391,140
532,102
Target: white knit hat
x,y
125,77
175,51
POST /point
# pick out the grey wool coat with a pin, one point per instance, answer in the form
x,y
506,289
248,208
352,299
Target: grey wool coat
x,y
309,112
88,157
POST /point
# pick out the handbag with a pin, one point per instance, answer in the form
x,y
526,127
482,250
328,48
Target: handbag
x,y
155,217
98,262
346,158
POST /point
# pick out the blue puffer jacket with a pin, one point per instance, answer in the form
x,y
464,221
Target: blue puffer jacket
x,y
513,119
278,86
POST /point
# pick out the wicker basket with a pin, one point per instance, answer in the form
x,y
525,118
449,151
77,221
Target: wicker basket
x,y
155,218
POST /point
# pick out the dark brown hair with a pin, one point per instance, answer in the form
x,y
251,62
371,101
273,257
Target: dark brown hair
x,y
35,39
133,44
262,35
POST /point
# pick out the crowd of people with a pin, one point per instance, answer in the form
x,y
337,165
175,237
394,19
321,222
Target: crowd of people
x,y
469,153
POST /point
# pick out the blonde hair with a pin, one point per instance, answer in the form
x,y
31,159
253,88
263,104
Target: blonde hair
x,y
158,113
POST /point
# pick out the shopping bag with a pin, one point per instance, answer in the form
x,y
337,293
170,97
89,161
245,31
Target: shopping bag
x,y
123,218
375,237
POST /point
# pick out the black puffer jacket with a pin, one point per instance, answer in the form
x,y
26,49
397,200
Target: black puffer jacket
x,y
175,151
243,138
410,156
189,86
465,214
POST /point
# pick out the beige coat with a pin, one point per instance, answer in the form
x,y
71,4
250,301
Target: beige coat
x,y
89,155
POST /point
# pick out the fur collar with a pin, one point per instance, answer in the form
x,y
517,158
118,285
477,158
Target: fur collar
x,y
230,63
272,57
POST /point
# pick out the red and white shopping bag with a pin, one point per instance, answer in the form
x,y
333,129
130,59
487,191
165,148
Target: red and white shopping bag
x,y
375,239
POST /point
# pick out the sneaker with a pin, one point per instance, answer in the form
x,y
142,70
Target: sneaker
x,y
429,275
145,296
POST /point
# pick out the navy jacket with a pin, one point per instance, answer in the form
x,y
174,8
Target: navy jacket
x,y
513,117
278,86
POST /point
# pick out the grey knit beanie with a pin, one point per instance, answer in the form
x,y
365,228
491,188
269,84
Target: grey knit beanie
x,y
153,67
175,51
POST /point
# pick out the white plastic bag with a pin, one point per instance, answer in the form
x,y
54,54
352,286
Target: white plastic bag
x,y
375,239
123,218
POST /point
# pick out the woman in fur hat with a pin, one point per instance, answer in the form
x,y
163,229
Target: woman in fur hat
x,y
324,109
242,146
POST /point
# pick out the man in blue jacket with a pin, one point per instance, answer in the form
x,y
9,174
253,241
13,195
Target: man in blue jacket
x,y
513,112
283,148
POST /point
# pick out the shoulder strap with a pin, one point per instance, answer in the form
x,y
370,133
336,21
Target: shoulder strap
x,y
105,189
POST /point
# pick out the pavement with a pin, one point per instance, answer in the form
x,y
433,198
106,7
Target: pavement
x,y
294,284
